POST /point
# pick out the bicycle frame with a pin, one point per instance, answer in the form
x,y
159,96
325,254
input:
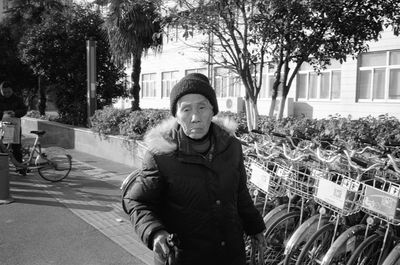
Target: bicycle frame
x,y
28,164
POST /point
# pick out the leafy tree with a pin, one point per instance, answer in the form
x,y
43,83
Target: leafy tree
x,y
133,28
22,15
235,44
286,34
314,32
12,69
55,49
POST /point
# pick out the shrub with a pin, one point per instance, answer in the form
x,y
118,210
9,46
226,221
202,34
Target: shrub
x,y
138,122
376,130
36,114
108,120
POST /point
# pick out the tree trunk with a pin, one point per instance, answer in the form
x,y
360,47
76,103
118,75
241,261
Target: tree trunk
x,y
274,96
42,98
251,114
135,90
282,107
272,108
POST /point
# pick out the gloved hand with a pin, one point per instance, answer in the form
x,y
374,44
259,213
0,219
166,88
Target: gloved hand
x,y
258,245
160,245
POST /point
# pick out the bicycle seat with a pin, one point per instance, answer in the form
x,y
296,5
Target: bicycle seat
x,y
39,133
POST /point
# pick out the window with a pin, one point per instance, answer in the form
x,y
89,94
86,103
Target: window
x,y
322,86
197,70
149,85
379,76
169,79
227,83
171,34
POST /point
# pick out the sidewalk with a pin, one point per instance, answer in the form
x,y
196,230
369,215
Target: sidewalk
x,y
76,221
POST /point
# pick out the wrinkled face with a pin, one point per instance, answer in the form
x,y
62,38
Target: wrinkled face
x,y
194,113
6,91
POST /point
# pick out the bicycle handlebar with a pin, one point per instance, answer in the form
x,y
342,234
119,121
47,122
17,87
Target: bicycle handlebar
x,y
293,159
393,163
329,161
354,165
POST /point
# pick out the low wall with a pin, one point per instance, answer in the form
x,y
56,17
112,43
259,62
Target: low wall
x,y
113,148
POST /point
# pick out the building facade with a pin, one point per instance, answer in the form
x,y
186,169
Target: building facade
x,y
368,85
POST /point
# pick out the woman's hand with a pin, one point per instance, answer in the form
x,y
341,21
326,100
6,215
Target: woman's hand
x,y
160,245
258,240
258,246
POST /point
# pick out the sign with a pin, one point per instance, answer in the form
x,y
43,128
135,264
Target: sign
x,y
380,202
259,177
283,173
331,193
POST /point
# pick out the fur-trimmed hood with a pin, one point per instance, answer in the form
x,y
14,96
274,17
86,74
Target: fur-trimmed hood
x,y
158,139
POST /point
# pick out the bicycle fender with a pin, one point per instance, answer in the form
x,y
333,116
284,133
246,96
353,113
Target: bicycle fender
x,y
341,241
126,184
304,231
394,256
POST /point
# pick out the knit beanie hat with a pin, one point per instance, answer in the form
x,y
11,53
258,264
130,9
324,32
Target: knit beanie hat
x,y
195,83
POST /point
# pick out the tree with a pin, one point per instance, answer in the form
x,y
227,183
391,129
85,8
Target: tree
x,y
11,67
133,27
55,49
314,32
235,44
23,15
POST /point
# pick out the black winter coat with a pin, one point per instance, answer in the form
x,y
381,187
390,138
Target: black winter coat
x,y
13,103
204,200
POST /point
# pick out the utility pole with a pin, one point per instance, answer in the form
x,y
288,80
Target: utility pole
x,y
91,77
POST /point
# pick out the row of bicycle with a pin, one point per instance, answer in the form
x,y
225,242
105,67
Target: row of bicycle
x,y
325,203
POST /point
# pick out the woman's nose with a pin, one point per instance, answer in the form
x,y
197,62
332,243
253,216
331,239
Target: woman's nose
x,y
195,116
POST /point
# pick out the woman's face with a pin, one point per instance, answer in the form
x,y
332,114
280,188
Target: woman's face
x,y
194,113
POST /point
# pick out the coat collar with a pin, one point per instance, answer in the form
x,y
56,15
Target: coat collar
x,y
164,138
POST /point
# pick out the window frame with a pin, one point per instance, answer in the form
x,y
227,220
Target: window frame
x,y
151,82
229,81
171,81
319,82
388,67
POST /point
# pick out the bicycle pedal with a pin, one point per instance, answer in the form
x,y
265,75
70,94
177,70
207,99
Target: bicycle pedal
x,y
22,172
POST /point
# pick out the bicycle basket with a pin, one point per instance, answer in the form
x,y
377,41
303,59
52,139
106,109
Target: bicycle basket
x,y
267,176
337,192
8,132
300,182
382,199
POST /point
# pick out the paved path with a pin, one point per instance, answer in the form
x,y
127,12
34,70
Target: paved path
x,y
76,221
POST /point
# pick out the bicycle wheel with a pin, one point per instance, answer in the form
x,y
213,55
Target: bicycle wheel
x,y
55,164
269,219
300,236
368,251
277,213
277,235
394,256
317,245
344,246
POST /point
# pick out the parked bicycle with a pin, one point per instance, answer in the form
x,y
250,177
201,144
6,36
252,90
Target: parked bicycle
x,y
52,163
380,202
351,186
